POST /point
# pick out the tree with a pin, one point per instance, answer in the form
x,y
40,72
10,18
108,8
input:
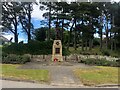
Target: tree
x,y
40,33
116,25
10,14
56,13
47,15
25,18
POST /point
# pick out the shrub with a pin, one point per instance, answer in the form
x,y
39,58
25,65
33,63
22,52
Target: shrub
x,y
100,62
88,53
65,51
15,59
106,52
14,48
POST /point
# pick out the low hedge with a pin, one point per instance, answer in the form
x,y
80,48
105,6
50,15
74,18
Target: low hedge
x,y
100,62
106,52
15,59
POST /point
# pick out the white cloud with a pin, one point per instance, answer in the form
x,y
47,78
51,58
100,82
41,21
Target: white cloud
x,y
37,13
9,36
115,0
96,35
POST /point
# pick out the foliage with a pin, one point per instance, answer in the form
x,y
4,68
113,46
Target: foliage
x,y
65,52
100,62
15,48
40,33
96,42
106,52
40,48
14,59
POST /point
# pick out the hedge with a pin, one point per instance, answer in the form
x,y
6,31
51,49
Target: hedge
x,y
101,62
15,59
33,47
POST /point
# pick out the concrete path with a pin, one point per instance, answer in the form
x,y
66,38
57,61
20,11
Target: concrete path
x,y
61,75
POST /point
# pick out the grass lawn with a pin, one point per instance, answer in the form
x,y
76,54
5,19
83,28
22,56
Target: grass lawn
x,y
102,75
11,71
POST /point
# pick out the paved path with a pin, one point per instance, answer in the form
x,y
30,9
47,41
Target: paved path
x,y
61,75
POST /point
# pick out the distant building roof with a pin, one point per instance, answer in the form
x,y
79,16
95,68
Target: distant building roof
x,y
2,38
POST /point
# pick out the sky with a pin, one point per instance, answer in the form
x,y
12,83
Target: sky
x,y
36,18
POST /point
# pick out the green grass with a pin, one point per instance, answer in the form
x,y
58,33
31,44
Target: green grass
x,y
0,51
11,71
102,75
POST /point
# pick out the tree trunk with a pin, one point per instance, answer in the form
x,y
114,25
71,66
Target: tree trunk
x,y
100,39
62,35
29,26
115,42
111,44
115,45
75,36
107,35
111,39
49,21
16,33
29,36
90,44
69,40
82,37
82,45
16,37
86,45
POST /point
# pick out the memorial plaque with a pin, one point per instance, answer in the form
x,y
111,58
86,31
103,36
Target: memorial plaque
x,y
57,50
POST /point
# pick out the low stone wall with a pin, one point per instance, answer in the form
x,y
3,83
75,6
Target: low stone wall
x,y
41,57
80,57
73,57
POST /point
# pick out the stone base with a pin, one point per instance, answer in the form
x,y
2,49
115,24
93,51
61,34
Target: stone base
x,y
57,51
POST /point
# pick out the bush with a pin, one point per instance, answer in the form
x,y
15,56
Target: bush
x,y
40,48
65,51
96,42
15,59
100,62
106,52
15,48
88,53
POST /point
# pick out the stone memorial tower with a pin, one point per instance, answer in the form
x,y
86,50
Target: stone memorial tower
x,y
57,46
